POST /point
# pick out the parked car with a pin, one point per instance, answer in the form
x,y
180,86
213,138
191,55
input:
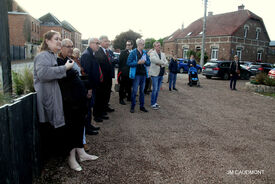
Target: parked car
x,y
222,69
116,59
271,73
256,68
183,66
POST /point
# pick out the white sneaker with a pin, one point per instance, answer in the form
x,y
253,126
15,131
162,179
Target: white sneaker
x,y
154,107
157,105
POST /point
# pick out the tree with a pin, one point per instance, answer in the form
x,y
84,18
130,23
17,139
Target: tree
x,y
121,39
149,43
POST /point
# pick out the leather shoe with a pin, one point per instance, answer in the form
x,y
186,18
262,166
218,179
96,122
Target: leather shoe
x,y
132,110
104,117
91,132
90,126
108,109
143,109
121,101
97,119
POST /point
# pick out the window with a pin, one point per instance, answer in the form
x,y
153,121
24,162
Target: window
x,y
198,49
239,53
189,34
35,28
245,31
32,26
185,50
258,30
214,53
259,55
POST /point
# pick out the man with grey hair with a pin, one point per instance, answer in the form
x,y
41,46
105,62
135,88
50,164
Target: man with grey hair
x,y
104,91
156,71
138,60
95,77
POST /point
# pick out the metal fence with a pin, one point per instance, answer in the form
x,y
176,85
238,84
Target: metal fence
x,y
19,155
17,52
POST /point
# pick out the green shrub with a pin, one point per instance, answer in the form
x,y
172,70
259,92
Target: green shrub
x,y
18,83
28,80
260,78
269,81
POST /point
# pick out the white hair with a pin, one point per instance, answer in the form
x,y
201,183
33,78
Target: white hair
x,y
76,50
139,40
65,42
91,40
101,38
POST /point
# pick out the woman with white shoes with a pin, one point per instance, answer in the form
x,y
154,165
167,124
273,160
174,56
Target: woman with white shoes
x,y
75,98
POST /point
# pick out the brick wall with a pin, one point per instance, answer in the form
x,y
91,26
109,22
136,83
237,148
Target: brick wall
x,y
45,29
16,27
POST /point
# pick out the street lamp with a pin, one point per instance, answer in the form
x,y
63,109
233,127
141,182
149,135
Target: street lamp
x,y
203,33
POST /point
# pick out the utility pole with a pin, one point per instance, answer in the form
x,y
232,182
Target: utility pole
x,y
203,34
5,47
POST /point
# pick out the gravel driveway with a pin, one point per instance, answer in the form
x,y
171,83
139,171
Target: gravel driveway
x,y
199,135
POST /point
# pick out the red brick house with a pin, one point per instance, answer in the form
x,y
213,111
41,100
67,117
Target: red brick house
x,y
241,32
24,31
75,34
50,22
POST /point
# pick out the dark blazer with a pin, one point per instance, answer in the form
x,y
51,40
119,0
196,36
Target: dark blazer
x,y
123,67
105,64
73,90
193,62
91,68
173,66
233,67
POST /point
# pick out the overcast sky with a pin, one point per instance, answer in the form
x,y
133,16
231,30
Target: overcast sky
x,y
152,18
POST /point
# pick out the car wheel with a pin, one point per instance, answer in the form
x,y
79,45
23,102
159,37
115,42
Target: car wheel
x,y
208,76
181,70
226,76
199,71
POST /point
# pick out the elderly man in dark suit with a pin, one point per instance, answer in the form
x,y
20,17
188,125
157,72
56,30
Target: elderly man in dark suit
x,y
95,77
104,92
123,72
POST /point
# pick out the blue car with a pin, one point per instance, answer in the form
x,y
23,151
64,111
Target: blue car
x,y
183,67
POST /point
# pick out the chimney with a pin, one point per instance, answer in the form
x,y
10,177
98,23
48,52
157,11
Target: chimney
x,y
241,7
210,13
182,26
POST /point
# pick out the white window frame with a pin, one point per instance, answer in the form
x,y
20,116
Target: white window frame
x,y
259,55
258,31
246,28
184,53
214,53
239,53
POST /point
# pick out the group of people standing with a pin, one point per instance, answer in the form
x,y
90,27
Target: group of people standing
x,y
71,89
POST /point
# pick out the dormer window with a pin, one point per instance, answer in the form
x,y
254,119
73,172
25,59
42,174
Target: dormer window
x,y
246,28
258,30
189,34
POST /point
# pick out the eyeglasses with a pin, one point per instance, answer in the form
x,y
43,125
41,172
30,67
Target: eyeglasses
x,y
69,47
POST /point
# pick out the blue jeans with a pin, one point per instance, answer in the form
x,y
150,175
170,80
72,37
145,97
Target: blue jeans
x,y
172,79
138,81
156,83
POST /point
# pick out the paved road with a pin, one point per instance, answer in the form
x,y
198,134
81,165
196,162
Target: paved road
x,y
200,135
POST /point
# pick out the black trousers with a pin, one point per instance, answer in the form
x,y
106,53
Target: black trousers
x,y
148,85
102,97
233,81
125,89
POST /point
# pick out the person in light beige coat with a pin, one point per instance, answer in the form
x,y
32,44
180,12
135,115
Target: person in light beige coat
x,y
156,71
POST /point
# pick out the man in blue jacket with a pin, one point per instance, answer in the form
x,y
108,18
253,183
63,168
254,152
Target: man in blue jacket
x,y
138,60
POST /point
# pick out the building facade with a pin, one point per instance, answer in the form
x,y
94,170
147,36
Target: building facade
x,y
239,33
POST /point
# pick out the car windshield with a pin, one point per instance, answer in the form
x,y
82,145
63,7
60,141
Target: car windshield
x,y
211,64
